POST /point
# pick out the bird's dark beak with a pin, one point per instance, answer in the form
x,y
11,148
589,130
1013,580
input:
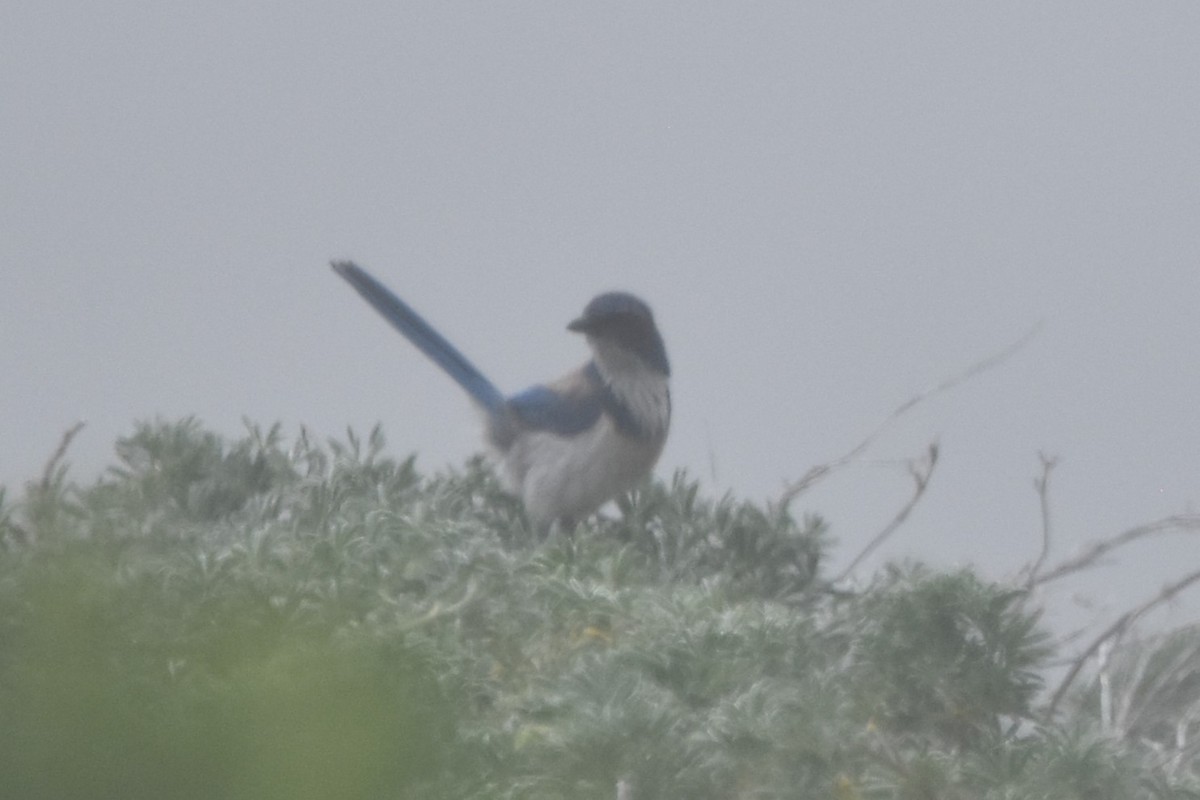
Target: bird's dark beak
x,y
580,325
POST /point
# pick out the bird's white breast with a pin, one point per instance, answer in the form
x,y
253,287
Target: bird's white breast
x,y
568,478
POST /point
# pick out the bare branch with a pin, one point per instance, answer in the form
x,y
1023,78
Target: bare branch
x,y
1120,715
819,471
921,473
1116,630
1178,522
1042,485
52,465
1102,661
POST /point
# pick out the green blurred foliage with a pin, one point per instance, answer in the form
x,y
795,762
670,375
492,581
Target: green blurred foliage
x,y
108,688
273,619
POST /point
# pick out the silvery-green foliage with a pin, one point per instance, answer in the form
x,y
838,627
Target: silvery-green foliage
x,y
273,617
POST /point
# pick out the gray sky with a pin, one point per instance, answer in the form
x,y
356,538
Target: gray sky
x,y
830,207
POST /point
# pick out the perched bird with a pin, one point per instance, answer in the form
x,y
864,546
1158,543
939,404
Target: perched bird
x,y
565,447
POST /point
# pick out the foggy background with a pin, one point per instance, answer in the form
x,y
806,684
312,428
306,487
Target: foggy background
x,y
831,207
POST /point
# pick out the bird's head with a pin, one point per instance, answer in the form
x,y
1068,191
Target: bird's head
x,y
619,326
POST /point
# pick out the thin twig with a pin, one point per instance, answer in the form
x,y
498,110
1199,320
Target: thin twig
x,y
1178,522
63,444
1124,706
1042,485
1115,630
816,473
1102,663
1060,643
921,473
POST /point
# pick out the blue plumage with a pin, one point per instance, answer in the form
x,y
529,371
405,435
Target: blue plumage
x,y
540,408
568,446
422,334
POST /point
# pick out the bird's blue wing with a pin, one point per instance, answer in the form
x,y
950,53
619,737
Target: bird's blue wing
x,y
564,413
404,319
573,404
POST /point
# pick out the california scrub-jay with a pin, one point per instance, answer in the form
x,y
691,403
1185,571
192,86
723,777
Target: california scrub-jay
x,y
566,447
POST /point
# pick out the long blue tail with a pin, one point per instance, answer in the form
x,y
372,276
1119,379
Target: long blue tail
x,y
422,334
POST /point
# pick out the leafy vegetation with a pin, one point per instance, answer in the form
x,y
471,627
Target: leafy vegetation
x,y
259,619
